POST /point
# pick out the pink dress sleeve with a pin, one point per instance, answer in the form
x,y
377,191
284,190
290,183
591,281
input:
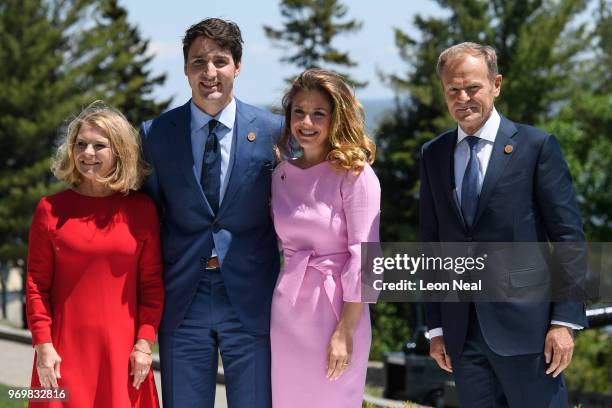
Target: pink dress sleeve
x,y
39,276
150,286
361,204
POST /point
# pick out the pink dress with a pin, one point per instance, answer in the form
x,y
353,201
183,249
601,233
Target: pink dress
x,y
321,216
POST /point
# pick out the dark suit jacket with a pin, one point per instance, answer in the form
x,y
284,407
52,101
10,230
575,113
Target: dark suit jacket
x,y
527,196
242,231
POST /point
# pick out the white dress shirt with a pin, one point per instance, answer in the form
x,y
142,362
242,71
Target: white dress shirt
x,y
487,134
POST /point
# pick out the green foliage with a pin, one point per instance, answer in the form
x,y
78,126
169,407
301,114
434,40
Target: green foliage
x,y
309,29
57,57
6,402
391,323
537,43
591,367
557,70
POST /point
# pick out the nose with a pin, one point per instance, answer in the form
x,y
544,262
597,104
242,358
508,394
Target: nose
x,y
463,95
89,149
210,69
307,120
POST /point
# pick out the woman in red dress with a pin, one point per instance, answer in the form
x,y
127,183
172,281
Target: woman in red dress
x,y
94,286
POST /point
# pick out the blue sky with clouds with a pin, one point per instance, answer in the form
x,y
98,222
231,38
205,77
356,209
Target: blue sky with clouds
x,y
261,78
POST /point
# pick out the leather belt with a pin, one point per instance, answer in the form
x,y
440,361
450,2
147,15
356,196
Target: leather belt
x,y
212,262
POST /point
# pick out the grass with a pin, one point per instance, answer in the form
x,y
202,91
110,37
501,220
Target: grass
x,y
6,402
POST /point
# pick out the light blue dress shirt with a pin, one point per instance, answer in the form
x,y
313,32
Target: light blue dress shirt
x,y
225,134
224,131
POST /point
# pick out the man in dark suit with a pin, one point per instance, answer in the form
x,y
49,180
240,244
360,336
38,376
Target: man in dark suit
x,y
212,161
493,180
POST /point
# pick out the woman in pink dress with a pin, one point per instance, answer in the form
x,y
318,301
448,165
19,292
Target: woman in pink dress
x,y
325,203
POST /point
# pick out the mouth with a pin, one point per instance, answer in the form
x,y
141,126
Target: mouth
x,y
467,109
90,164
209,84
307,133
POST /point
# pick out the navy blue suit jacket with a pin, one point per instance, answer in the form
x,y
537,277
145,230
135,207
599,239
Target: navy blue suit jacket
x,y
242,231
527,196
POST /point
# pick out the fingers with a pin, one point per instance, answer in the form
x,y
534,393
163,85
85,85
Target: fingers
x,y
560,360
336,366
447,362
548,350
47,378
57,369
437,351
558,350
139,368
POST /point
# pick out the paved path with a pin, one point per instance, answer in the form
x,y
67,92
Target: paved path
x,y
16,368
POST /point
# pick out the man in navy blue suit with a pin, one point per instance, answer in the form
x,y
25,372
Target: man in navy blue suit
x,y
212,161
493,180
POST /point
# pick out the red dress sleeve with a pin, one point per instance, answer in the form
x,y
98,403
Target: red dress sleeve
x,y
39,276
150,284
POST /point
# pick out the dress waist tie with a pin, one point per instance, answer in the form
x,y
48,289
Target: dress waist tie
x,y
296,263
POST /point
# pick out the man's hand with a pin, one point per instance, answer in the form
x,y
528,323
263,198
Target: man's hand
x,y
437,351
558,347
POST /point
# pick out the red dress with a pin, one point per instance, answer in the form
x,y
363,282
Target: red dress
x,y
94,286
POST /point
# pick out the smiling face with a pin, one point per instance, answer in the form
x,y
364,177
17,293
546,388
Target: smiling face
x,y
469,91
210,71
310,121
93,154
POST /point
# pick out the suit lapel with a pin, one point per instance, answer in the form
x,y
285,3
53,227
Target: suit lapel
x,y
242,151
447,171
497,163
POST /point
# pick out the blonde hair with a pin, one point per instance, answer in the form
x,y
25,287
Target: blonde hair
x,y
130,169
350,148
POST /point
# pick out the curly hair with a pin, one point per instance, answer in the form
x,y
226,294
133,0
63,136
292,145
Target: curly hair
x,y
130,170
350,148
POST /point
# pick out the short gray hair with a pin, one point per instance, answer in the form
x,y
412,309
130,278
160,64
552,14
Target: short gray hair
x,y
469,48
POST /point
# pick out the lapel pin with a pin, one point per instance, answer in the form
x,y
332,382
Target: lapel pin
x,y
251,137
508,149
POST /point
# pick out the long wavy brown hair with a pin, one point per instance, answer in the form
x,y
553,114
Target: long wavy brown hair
x,y
350,148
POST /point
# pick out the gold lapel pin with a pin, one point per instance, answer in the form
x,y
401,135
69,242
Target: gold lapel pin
x,y
251,137
508,149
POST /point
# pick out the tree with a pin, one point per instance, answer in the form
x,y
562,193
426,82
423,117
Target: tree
x,y
583,126
57,57
537,43
546,53
309,29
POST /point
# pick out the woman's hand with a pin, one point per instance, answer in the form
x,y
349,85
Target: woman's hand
x,y
47,365
339,352
140,361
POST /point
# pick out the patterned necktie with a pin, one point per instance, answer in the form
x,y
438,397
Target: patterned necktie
x,y
469,185
210,179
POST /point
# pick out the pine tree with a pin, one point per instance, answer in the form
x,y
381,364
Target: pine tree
x,y
57,57
537,43
308,31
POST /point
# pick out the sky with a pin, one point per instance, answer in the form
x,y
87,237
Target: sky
x,y
261,80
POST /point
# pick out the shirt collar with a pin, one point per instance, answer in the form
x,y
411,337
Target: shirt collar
x,y
226,117
487,132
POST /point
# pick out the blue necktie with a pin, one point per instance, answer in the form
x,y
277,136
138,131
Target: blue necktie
x,y
210,179
469,185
